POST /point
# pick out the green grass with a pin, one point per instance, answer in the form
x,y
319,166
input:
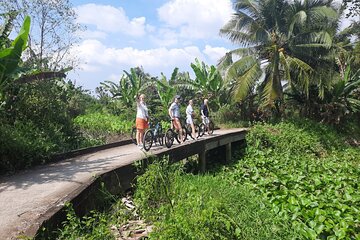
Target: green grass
x,y
185,206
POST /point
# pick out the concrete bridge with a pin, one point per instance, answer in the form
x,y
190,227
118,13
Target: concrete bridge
x,y
35,198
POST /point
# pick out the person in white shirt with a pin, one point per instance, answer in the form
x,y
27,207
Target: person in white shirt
x,y
189,118
174,113
204,111
142,118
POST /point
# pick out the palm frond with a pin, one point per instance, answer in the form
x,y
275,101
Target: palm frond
x,y
320,12
248,6
269,92
314,40
238,37
243,75
298,19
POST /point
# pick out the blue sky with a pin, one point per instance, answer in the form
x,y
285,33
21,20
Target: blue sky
x,y
158,35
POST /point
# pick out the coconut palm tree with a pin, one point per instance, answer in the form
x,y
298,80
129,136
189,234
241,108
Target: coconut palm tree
x,y
277,38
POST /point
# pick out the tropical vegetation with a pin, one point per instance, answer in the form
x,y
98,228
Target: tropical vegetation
x,y
295,80
296,180
286,48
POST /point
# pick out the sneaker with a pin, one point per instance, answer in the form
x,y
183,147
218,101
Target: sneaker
x,y
140,146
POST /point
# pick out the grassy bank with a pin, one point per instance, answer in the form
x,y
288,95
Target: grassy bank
x,y
297,180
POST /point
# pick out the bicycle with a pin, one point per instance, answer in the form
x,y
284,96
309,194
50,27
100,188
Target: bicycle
x,y
172,134
153,135
203,128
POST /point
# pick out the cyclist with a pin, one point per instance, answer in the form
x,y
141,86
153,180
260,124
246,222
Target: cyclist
x,y
142,118
204,110
174,112
189,118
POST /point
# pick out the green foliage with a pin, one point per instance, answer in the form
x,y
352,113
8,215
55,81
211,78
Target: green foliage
x,y
284,138
309,176
38,123
208,82
227,113
6,28
293,41
130,85
23,145
97,126
93,226
166,91
202,207
10,58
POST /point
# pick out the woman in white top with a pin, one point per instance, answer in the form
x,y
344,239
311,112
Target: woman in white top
x,y
174,113
189,118
142,118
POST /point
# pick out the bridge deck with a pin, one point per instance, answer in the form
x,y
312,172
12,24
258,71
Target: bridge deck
x,y
25,197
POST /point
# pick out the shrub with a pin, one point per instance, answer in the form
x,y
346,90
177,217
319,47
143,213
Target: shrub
x,y
94,225
22,146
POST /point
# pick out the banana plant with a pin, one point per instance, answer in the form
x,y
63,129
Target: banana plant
x,y
208,82
10,58
165,91
208,79
130,85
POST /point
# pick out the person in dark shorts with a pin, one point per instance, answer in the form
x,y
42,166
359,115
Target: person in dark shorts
x,y
204,111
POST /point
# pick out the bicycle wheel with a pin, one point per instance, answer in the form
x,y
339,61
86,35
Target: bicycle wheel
x,y
201,129
184,135
169,138
211,127
148,139
133,135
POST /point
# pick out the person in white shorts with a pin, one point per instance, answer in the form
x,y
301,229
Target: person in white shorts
x,y
189,118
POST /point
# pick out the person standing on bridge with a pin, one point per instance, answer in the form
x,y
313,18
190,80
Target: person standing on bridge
x,y
204,110
174,112
142,119
189,118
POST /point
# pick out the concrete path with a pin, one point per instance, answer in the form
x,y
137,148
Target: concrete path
x,y
26,196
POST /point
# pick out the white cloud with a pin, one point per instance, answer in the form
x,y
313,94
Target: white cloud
x,y
197,19
88,34
165,37
94,55
110,19
215,53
